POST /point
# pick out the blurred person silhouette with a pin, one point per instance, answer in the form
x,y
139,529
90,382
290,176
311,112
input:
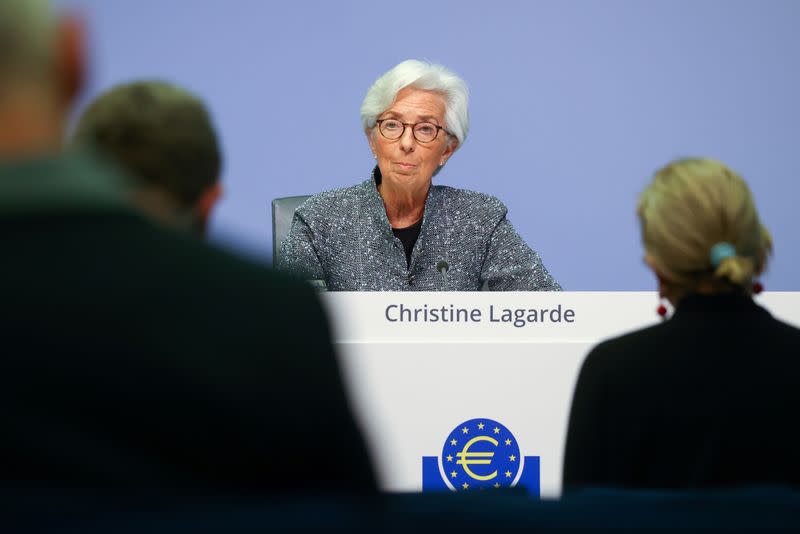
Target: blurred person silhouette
x,y
163,135
706,398
137,358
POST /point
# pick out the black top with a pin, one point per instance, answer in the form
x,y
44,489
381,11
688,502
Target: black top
x,y
408,236
138,359
708,398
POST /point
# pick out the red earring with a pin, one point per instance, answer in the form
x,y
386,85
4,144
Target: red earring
x,y
662,311
758,287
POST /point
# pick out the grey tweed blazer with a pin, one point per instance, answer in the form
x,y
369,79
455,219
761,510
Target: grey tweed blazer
x,y
343,237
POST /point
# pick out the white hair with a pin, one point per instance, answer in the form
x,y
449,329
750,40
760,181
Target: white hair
x,y
422,75
27,29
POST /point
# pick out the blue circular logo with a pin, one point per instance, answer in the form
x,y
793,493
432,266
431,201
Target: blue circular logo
x,y
479,454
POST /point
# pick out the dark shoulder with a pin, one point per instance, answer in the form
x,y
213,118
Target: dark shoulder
x,y
472,204
779,325
626,352
185,262
776,332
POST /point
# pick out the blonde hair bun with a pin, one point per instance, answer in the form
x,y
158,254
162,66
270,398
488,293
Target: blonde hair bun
x,y
694,205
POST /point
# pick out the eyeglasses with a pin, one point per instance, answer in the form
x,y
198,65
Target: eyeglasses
x,y
424,132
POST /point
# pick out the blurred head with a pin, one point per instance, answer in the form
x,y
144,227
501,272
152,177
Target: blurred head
x,y
163,135
415,93
41,72
693,209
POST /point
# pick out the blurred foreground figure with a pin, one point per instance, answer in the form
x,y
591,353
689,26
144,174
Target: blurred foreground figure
x,y
163,136
708,397
135,359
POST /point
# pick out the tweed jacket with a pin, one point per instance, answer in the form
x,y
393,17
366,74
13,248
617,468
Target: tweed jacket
x,y
343,237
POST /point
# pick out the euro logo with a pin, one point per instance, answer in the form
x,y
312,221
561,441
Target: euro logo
x,y
466,458
480,455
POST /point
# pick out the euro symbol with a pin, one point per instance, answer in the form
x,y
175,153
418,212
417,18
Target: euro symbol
x,y
466,458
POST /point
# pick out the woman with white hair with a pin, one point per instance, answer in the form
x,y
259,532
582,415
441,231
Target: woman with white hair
x,y
708,397
396,231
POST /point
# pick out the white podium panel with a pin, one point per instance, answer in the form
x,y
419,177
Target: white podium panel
x,y
419,364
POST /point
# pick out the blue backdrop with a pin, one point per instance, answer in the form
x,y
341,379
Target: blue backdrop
x,y
573,103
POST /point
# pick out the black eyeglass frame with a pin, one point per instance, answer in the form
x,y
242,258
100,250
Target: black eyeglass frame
x,y
413,130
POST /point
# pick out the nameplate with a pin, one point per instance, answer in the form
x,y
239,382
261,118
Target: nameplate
x,y
577,316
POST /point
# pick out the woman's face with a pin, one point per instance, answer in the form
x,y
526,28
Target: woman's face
x,y
405,162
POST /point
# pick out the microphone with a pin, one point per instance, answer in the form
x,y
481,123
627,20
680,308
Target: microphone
x,y
443,267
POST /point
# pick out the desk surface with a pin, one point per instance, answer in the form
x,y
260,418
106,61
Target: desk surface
x,y
419,364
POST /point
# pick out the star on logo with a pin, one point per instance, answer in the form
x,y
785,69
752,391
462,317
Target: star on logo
x,y
465,486
465,430
508,474
496,484
453,474
480,426
453,442
508,442
449,458
496,430
512,458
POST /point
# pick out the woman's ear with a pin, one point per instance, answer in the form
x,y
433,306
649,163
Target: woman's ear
x,y
371,141
663,283
452,145
650,262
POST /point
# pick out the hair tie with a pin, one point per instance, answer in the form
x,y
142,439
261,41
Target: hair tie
x,y
720,251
